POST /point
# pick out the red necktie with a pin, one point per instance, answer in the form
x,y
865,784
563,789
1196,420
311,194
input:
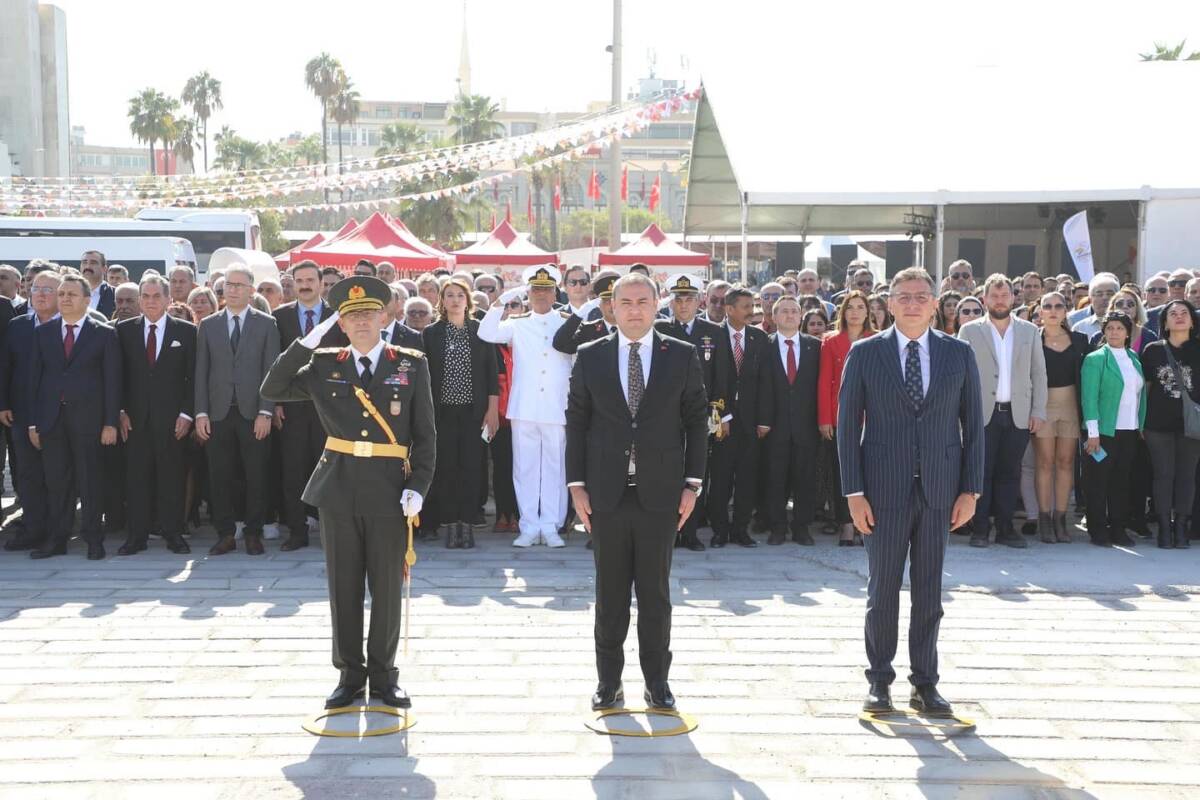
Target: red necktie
x,y
308,322
69,341
152,346
738,352
791,362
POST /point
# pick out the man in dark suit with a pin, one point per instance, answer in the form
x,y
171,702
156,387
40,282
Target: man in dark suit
x,y
787,417
376,470
740,352
75,394
234,350
578,327
16,413
158,358
685,325
394,331
637,435
910,445
301,436
94,267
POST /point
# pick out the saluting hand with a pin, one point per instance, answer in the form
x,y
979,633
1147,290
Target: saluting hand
x,y
583,506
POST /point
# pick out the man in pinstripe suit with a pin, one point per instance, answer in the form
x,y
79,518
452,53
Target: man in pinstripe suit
x,y
910,445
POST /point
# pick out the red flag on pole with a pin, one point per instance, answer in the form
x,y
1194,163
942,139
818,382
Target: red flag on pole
x,y
625,183
594,186
655,193
508,212
557,197
529,210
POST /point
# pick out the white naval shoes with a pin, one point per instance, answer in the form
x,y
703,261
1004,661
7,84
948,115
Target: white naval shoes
x,y
552,539
237,534
270,531
526,539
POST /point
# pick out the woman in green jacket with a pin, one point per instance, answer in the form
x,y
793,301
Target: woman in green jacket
x,y
1113,396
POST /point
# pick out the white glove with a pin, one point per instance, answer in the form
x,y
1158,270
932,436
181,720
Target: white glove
x,y
587,308
665,303
410,503
313,339
517,293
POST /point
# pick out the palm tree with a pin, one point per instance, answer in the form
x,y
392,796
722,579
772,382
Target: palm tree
x,y
309,149
345,109
474,119
399,138
202,93
184,142
321,77
1164,53
152,119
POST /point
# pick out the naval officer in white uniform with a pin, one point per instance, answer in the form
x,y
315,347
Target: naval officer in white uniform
x,y
536,404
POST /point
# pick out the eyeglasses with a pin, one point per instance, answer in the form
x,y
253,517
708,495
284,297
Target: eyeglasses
x,y
866,283
415,313
1180,282
42,289
487,289
578,281
514,304
1127,304
716,301
1053,307
231,285
970,311
770,298
1157,289
920,298
960,276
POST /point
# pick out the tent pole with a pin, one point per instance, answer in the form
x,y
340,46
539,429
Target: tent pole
x,y
940,245
745,244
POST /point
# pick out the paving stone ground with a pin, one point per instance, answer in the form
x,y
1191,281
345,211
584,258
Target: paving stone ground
x,y
171,677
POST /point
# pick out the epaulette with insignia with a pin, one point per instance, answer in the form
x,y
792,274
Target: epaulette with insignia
x,y
566,314
520,316
409,351
327,351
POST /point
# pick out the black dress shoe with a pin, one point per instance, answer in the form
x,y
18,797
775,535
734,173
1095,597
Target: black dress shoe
x,y
95,551
803,537
879,699
254,544
659,696
294,542
718,540
131,547
608,695
692,542
176,543
777,537
845,543
48,550
1121,538
391,695
926,700
745,540
344,695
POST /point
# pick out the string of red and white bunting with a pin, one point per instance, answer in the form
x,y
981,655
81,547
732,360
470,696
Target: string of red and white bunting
x,y
23,196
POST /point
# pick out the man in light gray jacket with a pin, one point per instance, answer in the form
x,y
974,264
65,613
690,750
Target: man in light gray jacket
x,y
1012,378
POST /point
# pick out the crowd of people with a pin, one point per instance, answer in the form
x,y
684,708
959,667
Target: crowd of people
x,y
140,403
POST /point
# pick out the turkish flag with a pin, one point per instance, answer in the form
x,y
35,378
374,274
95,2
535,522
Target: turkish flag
x,y
625,183
655,193
557,197
594,186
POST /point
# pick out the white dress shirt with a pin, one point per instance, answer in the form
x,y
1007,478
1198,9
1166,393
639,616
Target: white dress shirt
x,y
78,325
373,355
94,300
159,325
783,348
229,315
646,342
302,314
1004,355
922,352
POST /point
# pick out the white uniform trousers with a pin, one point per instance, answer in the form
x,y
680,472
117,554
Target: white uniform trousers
x,y
540,474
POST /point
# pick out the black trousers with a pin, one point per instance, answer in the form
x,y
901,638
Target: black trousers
x,y
155,464
632,548
502,474
8,451
1175,457
733,471
30,481
1003,448
71,461
918,534
364,551
232,444
301,442
456,479
1107,485
113,463
792,474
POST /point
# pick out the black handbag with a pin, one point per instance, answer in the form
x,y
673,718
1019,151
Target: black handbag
x,y
1191,409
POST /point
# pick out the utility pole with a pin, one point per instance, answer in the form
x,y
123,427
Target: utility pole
x,y
614,151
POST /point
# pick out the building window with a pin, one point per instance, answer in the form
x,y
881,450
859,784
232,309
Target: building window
x,y
383,111
522,128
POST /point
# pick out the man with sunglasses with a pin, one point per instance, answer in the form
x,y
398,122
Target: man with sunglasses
x,y
1101,289
577,285
1155,290
962,276
1177,284
714,302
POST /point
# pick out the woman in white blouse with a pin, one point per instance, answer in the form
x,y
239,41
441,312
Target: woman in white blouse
x,y
1113,396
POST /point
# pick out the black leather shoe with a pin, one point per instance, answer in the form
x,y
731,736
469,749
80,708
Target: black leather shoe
x,y
1121,538
1182,536
95,551
692,542
659,696
391,695
803,537
608,695
745,540
294,542
131,547
879,699
176,544
718,540
47,550
344,695
926,700
979,540
776,537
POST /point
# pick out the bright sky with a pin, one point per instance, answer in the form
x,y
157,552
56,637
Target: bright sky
x,y
549,54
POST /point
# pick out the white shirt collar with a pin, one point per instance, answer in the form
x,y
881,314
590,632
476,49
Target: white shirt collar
x,y
161,324
77,323
317,308
922,340
795,337
245,312
372,354
645,341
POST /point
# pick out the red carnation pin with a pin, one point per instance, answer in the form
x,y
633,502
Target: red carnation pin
x,y
344,354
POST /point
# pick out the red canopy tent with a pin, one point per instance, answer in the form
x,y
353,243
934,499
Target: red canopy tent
x,y
378,239
284,259
664,258
503,252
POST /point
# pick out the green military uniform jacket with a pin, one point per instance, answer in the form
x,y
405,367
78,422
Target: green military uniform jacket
x,y
399,389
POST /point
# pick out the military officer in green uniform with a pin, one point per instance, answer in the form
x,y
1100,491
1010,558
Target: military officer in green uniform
x,y
374,402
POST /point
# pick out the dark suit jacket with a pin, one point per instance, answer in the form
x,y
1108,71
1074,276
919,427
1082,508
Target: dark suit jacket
x,y
154,398
882,436
704,338
404,336
15,357
288,321
790,409
740,390
670,429
87,385
485,381
221,374
574,333
107,303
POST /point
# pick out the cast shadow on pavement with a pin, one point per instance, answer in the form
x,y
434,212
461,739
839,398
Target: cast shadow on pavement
x,y
359,767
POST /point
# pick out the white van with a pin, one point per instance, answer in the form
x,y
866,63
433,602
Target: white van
x,y
135,253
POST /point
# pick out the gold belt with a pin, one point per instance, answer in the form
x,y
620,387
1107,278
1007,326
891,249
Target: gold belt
x,y
366,449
